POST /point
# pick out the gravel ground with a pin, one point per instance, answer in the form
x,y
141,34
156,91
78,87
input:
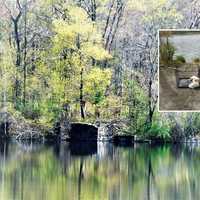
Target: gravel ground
x,y
173,98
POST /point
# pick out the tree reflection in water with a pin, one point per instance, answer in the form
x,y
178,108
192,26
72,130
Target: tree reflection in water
x,y
98,171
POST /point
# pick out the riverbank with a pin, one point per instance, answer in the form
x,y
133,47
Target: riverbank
x,y
21,129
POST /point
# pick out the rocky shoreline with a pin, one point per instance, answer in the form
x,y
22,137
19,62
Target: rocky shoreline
x,y
64,130
21,129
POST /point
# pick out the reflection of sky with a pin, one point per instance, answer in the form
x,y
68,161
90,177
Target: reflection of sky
x,y
187,46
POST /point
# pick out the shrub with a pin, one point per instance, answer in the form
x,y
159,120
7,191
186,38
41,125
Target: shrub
x,y
180,59
159,131
50,111
196,60
137,103
167,51
30,111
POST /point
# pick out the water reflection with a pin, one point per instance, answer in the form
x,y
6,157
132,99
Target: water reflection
x,y
99,171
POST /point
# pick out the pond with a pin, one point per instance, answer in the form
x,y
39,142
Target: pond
x,y
187,45
100,171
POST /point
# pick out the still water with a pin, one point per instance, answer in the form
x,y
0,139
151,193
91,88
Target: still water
x,y
187,45
98,172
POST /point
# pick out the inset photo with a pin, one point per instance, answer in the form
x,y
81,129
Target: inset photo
x,y
179,70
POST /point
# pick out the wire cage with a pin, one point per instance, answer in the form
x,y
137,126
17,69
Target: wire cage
x,y
183,74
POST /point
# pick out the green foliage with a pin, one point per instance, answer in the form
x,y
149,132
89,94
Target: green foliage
x,y
159,131
55,79
191,124
76,42
63,41
167,51
50,111
137,103
30,110
96,82
78,29
111,107
180,59
196,60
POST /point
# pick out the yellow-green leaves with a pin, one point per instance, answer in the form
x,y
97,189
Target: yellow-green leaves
x,y
7,68
79,26
96,51
76,42
77,23
65,35
96,82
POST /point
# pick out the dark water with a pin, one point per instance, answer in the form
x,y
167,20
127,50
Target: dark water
x,y
98,172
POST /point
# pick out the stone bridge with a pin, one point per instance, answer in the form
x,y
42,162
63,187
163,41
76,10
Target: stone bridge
x,y
90,132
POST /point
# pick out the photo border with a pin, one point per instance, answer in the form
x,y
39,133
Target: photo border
x,y
158,37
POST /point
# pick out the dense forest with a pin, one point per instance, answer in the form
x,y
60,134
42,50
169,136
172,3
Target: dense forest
x,y
97,59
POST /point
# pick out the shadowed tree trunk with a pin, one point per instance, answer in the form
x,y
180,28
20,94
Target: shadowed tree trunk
x,y
15,21
150,174
80,178
25,53
82,102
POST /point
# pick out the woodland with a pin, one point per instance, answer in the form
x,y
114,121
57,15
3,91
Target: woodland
x,y
98,58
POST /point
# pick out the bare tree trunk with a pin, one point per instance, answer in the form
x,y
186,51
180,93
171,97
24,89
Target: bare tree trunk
x,y
120,12
90,7
17,40
94,9
151,105
25,53
82,102
108,18
114,25
118,79
150,114
15,21
18,58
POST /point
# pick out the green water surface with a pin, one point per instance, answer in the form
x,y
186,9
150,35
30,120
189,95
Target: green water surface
x,y
100,171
